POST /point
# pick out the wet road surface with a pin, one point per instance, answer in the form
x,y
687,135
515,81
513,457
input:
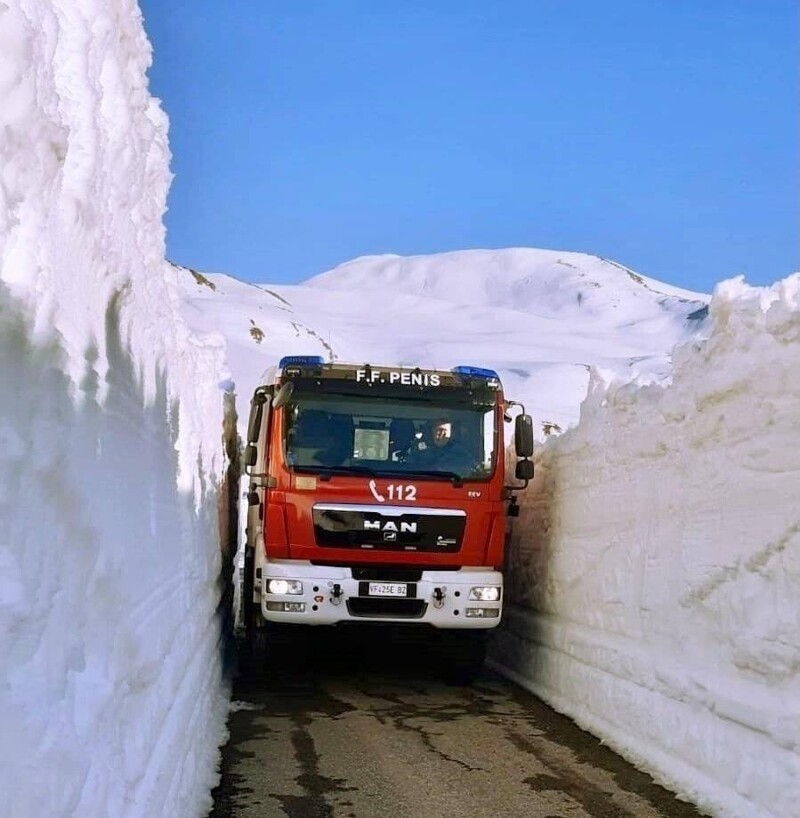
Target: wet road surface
x,y
362,727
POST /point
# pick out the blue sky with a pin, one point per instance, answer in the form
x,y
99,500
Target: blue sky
x,y
664,134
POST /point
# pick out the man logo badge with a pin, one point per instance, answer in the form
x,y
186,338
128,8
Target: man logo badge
x,y
390,536
390,527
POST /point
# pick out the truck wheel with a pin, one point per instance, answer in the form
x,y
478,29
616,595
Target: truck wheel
x,y
254,647
463,655
253,650
289,647
248,608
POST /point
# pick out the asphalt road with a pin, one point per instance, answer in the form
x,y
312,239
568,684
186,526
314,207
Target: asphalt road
x,y
362,727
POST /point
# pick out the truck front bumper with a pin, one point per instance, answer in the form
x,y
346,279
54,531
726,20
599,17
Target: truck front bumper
x,y
331,595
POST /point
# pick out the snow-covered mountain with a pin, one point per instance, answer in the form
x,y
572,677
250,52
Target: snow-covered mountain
x,y
541,318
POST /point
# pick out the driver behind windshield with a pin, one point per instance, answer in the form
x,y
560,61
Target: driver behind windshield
x,y
442,448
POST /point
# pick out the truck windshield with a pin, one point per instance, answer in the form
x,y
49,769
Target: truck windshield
x,y
444,438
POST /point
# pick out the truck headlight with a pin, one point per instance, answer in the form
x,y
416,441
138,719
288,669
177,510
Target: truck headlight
x,y
485,593
284,586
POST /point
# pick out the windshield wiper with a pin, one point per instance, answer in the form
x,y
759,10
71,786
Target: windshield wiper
x,y
456,479
325,472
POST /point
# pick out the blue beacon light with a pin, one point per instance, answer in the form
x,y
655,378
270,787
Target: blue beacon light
x,y
301,360
475,372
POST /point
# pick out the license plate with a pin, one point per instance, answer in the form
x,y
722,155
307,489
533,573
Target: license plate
x,y
388,589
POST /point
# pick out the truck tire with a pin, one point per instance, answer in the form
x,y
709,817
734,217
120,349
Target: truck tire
x,y
248,608
253,654
289,647
463,655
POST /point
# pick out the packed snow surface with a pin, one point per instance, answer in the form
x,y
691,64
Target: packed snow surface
x,y
111,695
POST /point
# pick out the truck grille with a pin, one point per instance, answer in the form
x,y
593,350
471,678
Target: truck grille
x,y
414,529
405,608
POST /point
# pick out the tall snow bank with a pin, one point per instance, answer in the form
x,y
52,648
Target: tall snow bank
x,y
111,455
654,575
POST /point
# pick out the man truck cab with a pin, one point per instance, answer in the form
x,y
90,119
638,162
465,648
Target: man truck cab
x,y
358,512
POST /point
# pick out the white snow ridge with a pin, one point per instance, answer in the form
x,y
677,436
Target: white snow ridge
x,y
655,575
111,697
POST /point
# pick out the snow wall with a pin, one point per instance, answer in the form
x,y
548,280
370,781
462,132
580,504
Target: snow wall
x,y
653,577
111,456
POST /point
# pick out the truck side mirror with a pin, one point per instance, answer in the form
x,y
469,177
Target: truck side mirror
x,y
254,422
260,397
524,470
523,436
250,455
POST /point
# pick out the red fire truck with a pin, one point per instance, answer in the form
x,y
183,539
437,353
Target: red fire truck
x,y
378,494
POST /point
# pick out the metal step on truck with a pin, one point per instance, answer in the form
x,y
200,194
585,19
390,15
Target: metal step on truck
x,y
379,495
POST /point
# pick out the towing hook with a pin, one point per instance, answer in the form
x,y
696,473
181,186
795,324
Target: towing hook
x,y
336,594
438,597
